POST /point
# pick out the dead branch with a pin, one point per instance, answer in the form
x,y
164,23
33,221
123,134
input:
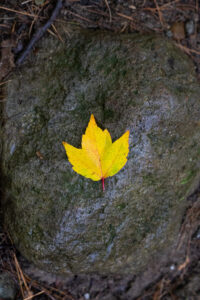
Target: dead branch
x,y
40,32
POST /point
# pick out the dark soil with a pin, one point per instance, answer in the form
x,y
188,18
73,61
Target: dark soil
x,y
179,275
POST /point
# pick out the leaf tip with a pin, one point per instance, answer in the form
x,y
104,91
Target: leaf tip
x,y
128,134
65,145
92,119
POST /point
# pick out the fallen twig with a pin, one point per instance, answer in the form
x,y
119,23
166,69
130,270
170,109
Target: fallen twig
x,y
40,32
18,11
57,33
22,281
108,7
159,13
187,50
7,57
80,17
4,82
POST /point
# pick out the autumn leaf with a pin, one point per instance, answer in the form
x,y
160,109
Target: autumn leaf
x,y
99,158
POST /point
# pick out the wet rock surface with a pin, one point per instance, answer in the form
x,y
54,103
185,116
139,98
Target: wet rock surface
x,y
63,222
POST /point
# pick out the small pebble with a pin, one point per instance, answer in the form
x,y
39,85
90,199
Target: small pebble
x,y
172,267
169,34
12,148
189,27
197,234
87,296
196,17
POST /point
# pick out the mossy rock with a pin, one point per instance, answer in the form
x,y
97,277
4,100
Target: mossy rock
x,y
65,223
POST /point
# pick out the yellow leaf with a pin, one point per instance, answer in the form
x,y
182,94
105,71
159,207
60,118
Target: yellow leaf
x,y
99,158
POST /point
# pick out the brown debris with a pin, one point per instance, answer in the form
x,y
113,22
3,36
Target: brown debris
x,y
7,57
184,264
110,15
178,30
25,13
40,32
25,291
39,155
159,13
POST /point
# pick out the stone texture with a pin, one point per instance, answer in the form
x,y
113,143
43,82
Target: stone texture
x,y
63,222
8,288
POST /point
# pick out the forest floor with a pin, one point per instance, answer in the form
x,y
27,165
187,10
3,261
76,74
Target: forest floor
x,y
22,24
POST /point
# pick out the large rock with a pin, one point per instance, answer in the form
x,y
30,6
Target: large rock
x,y
62,221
